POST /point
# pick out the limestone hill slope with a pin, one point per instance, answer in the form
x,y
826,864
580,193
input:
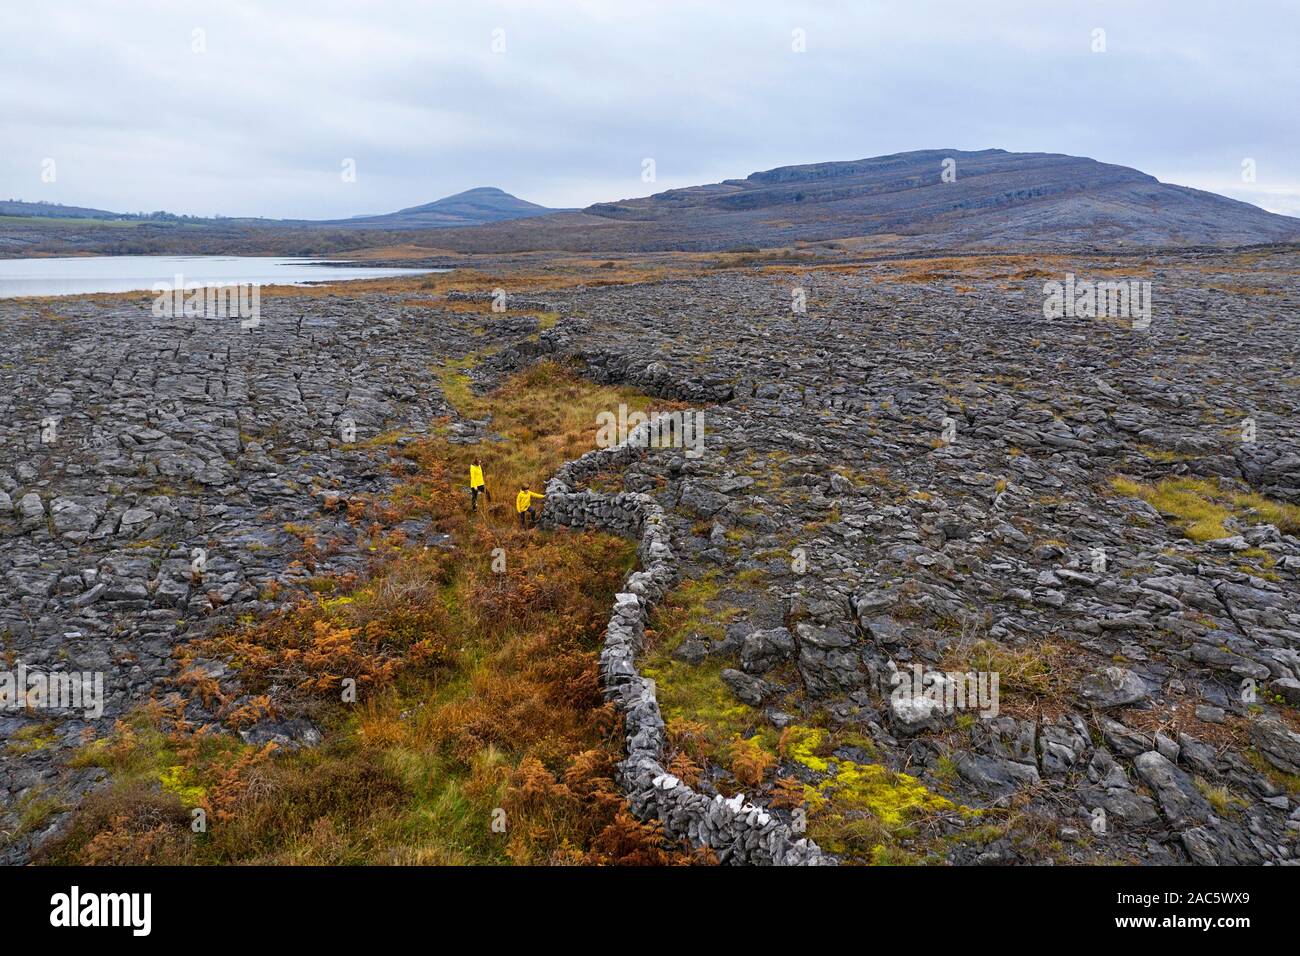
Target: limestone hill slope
x,y
997,199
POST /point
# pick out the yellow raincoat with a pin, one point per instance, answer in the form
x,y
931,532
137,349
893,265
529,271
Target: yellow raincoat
x,y
524,500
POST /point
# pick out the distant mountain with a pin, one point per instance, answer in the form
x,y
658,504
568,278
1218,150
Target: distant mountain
x,y
993,199
471,208
996,199
53,210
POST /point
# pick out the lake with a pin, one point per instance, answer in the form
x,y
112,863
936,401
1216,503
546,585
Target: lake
x,y
81,275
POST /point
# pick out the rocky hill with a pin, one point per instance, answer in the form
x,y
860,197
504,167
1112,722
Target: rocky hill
x,y
925,199
472,207
930,198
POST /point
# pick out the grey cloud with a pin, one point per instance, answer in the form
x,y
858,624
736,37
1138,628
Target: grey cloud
x,y
259,123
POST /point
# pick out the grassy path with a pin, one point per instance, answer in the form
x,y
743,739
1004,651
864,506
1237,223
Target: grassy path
x,y
476,734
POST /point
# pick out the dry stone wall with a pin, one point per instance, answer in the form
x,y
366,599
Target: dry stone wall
x,y
737,831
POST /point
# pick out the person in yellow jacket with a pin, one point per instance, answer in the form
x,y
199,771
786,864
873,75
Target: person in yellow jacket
x,y
524,505
476,484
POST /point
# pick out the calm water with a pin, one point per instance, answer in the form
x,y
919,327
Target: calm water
x,y
86,274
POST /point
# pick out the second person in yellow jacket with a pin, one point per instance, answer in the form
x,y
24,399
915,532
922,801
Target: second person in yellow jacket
x,y
524,505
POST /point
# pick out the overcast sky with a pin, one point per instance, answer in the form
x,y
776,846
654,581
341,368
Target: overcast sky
x,y
256,113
